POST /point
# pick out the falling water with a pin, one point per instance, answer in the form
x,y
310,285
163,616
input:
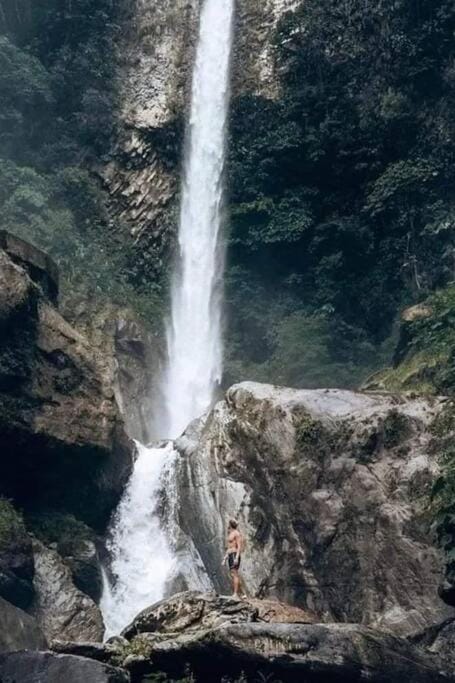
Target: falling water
x,y
194,333
141,550
142,558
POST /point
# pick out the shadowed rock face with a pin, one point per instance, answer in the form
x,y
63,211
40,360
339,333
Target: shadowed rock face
x,y
331,489
31,667
62,440
18,630
16,568
335,653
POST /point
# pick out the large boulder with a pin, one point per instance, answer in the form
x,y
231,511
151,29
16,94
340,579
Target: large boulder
x,y
332,492
195,610
63,443
48,667
61,609
221,639
18,630
317,653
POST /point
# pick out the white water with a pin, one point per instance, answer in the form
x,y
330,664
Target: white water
x,y
142,557
194,332
141,550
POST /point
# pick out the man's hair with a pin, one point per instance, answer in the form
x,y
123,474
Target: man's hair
x,y
233,523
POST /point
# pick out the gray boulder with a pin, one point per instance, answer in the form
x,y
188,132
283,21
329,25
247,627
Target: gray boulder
x,y
61,609
195,610
18,630
219,638
47,667
289,653
331,489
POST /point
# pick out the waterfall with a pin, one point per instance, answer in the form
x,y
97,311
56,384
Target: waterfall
x,y
139,545
142,557
194,332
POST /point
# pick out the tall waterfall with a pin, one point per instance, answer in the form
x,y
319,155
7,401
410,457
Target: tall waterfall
x,y
194,333
141,551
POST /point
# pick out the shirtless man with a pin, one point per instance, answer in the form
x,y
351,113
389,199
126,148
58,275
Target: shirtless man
x,y
233,555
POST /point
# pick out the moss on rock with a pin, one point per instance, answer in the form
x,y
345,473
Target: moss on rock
x,y
12,527
63,529
425,357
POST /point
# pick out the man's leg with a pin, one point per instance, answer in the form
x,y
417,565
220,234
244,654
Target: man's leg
x,y
235,581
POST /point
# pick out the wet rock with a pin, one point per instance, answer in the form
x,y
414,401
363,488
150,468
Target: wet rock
x,y
193,610
331,490
63,443
34,667
60,608
18,630
16,590
444,642
86,569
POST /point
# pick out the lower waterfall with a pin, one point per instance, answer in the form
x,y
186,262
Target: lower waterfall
x,y
142,556
140,545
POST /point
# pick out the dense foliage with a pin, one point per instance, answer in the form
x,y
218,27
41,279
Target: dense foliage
x,y
343,207
341,189
58,99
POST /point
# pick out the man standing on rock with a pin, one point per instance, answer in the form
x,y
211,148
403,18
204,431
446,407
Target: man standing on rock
x,y
234,554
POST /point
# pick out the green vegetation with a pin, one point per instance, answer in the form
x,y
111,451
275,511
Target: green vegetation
x,y
60,528
12,527
342,190
396,428
425,358
58,99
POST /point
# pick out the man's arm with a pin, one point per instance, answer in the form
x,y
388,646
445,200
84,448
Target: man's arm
x,y
238,546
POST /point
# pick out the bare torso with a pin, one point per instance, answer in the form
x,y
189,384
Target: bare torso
x,y
234,541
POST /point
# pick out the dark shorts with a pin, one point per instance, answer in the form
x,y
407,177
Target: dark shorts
x,y
232,563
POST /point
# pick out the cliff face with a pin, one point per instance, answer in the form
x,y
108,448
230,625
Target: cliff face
x,y
154,74
332,491
65,457
62,437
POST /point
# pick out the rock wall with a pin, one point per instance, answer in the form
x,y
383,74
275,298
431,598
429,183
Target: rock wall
x,y
331,489
131,356
255,70
154,76
62,438
142,171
